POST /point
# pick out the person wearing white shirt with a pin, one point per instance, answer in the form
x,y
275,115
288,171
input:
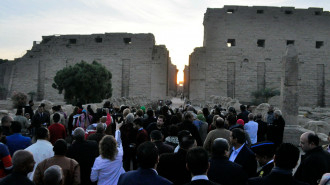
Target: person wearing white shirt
x,y
41,150
251,128
108,166
198,165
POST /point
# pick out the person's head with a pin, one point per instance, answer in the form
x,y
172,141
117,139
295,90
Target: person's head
x,y
251,116
100,128
147,155
156,135
309,141
277,113
206,111
286,156
129,118
53,175
271,109
231,118
150,113
242,107
187,142
79,134
15,127
40,109
189,117
56,117
237,136
139,113
6,121
42,133
103,119
138,123
108,147
197,161
23,161
126,112
220,123
19,112
259,116
173,130
215,117
183,133
160,120
220,147
60,147
31,103
240,122
264,151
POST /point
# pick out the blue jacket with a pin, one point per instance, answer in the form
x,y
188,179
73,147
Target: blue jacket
x,y
17,142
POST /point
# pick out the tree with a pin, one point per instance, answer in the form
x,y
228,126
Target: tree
x,y
84,83
263,95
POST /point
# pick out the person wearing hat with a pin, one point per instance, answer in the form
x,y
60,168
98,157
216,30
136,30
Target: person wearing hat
x,y
264,154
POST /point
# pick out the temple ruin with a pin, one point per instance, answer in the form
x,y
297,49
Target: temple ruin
x,y
138,66
244,47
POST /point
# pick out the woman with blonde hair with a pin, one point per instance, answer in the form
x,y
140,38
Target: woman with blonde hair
x,y
108,166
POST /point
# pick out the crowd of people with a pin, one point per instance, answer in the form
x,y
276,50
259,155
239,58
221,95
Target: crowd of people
x,y
138,145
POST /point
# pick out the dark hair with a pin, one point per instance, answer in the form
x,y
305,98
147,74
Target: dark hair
x,y
287,156
188,116
231,119
187,142
313,138
183,133
173,130
239,134
242,107
56,117
16,127
147,155
30,101
156,135
150,113
206,112
138,121
5,119
42,133
197,160
220,123
139,112
162,117
19,112
60,147
219,147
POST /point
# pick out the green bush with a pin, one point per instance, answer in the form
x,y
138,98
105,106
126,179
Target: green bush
x,y
263,95
19,99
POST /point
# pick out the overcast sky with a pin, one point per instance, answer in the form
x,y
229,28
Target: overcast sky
x,y
178,24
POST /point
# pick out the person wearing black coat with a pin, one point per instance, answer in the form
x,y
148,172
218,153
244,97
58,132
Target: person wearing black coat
x,y
84,152
275,131
187,124
222,170
286,158
264,154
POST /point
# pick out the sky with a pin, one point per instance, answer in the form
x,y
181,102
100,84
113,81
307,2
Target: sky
x,y
178,24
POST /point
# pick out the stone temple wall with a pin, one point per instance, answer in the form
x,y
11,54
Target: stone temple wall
x,y
138,66
244,46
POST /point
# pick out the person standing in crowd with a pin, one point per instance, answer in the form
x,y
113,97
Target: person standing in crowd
x,y
25,123
219,132
77,151
57,109
270,115
285,160
53,175
150,118
276,129
108,166
128,137
56,130
251,128
16,141
147,157
157,137
172,166
40,118
42,149
29,108
244,114
241,154
222,170
5,159
70,167
5,126
262,128
315,163
142,134
159,125
99,134
198,165
264,154
187,124
22,164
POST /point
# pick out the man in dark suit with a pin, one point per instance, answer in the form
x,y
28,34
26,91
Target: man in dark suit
x,y
173,165
39,118
222,170
264,153
286,158
198,164
241,154
156,137
147,157
84,152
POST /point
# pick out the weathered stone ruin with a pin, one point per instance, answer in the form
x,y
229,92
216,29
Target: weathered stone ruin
x,y
243,50
138,66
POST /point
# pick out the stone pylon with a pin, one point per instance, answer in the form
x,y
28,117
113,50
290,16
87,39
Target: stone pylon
x,y
289,96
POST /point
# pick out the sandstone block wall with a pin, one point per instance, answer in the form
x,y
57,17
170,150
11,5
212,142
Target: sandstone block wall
x,y
138,66
258,37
